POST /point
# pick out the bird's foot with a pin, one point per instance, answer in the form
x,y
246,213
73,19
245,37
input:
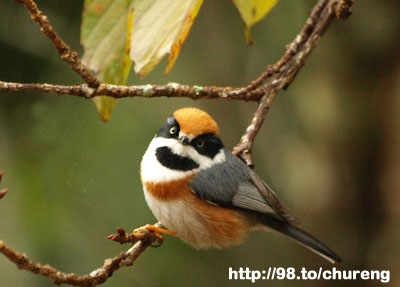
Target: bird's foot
x,y
158,232
142,234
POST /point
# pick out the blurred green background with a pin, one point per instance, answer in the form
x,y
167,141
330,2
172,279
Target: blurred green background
x,y
330,147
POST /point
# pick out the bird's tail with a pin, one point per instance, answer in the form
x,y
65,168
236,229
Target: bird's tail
x,y
301,236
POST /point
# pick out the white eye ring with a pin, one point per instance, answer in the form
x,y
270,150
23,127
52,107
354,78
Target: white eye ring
x,y
172,130
200,143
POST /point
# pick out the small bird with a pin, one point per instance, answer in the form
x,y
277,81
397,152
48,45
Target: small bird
x,y
205,195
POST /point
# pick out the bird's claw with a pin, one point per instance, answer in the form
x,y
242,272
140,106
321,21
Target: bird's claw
x,y
141,234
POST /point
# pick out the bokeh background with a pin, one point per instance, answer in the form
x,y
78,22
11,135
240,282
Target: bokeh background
x,y
330,147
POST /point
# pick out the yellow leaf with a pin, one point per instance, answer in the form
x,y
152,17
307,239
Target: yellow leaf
x,y
160,27
104,106
104,35
253,11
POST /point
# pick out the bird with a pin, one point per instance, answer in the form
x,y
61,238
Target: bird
x,y
205,195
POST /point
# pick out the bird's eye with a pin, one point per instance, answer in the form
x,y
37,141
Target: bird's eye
x,y
172,130
200,143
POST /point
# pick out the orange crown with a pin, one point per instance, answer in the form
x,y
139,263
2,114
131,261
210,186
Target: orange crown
x,y
195,121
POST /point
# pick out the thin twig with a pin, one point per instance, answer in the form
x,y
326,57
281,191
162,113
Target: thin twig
x,y
344,9
94,278
69,56
142,238
287,68
146,91
243,148
3,191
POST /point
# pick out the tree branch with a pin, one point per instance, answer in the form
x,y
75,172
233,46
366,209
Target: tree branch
x,y
146,91
69,56
94,278
286,70
264,89
3,191
344,9
141,238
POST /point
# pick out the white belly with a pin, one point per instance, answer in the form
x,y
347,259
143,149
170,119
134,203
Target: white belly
x,y
180,218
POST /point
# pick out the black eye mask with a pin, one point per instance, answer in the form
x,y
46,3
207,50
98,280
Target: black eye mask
x,y
212,145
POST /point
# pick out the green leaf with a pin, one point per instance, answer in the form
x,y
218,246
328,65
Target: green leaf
x,y
160,27
104,35
253,11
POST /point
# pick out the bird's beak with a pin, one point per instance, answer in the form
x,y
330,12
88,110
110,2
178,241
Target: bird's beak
x,y
184,140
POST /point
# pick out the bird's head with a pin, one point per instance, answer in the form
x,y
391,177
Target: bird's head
x,y
187,141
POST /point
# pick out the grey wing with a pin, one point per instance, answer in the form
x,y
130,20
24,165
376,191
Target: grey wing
x,y
269,195
232,184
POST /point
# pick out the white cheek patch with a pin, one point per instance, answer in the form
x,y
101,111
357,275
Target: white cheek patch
x,y
202,160
152,170
220,157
